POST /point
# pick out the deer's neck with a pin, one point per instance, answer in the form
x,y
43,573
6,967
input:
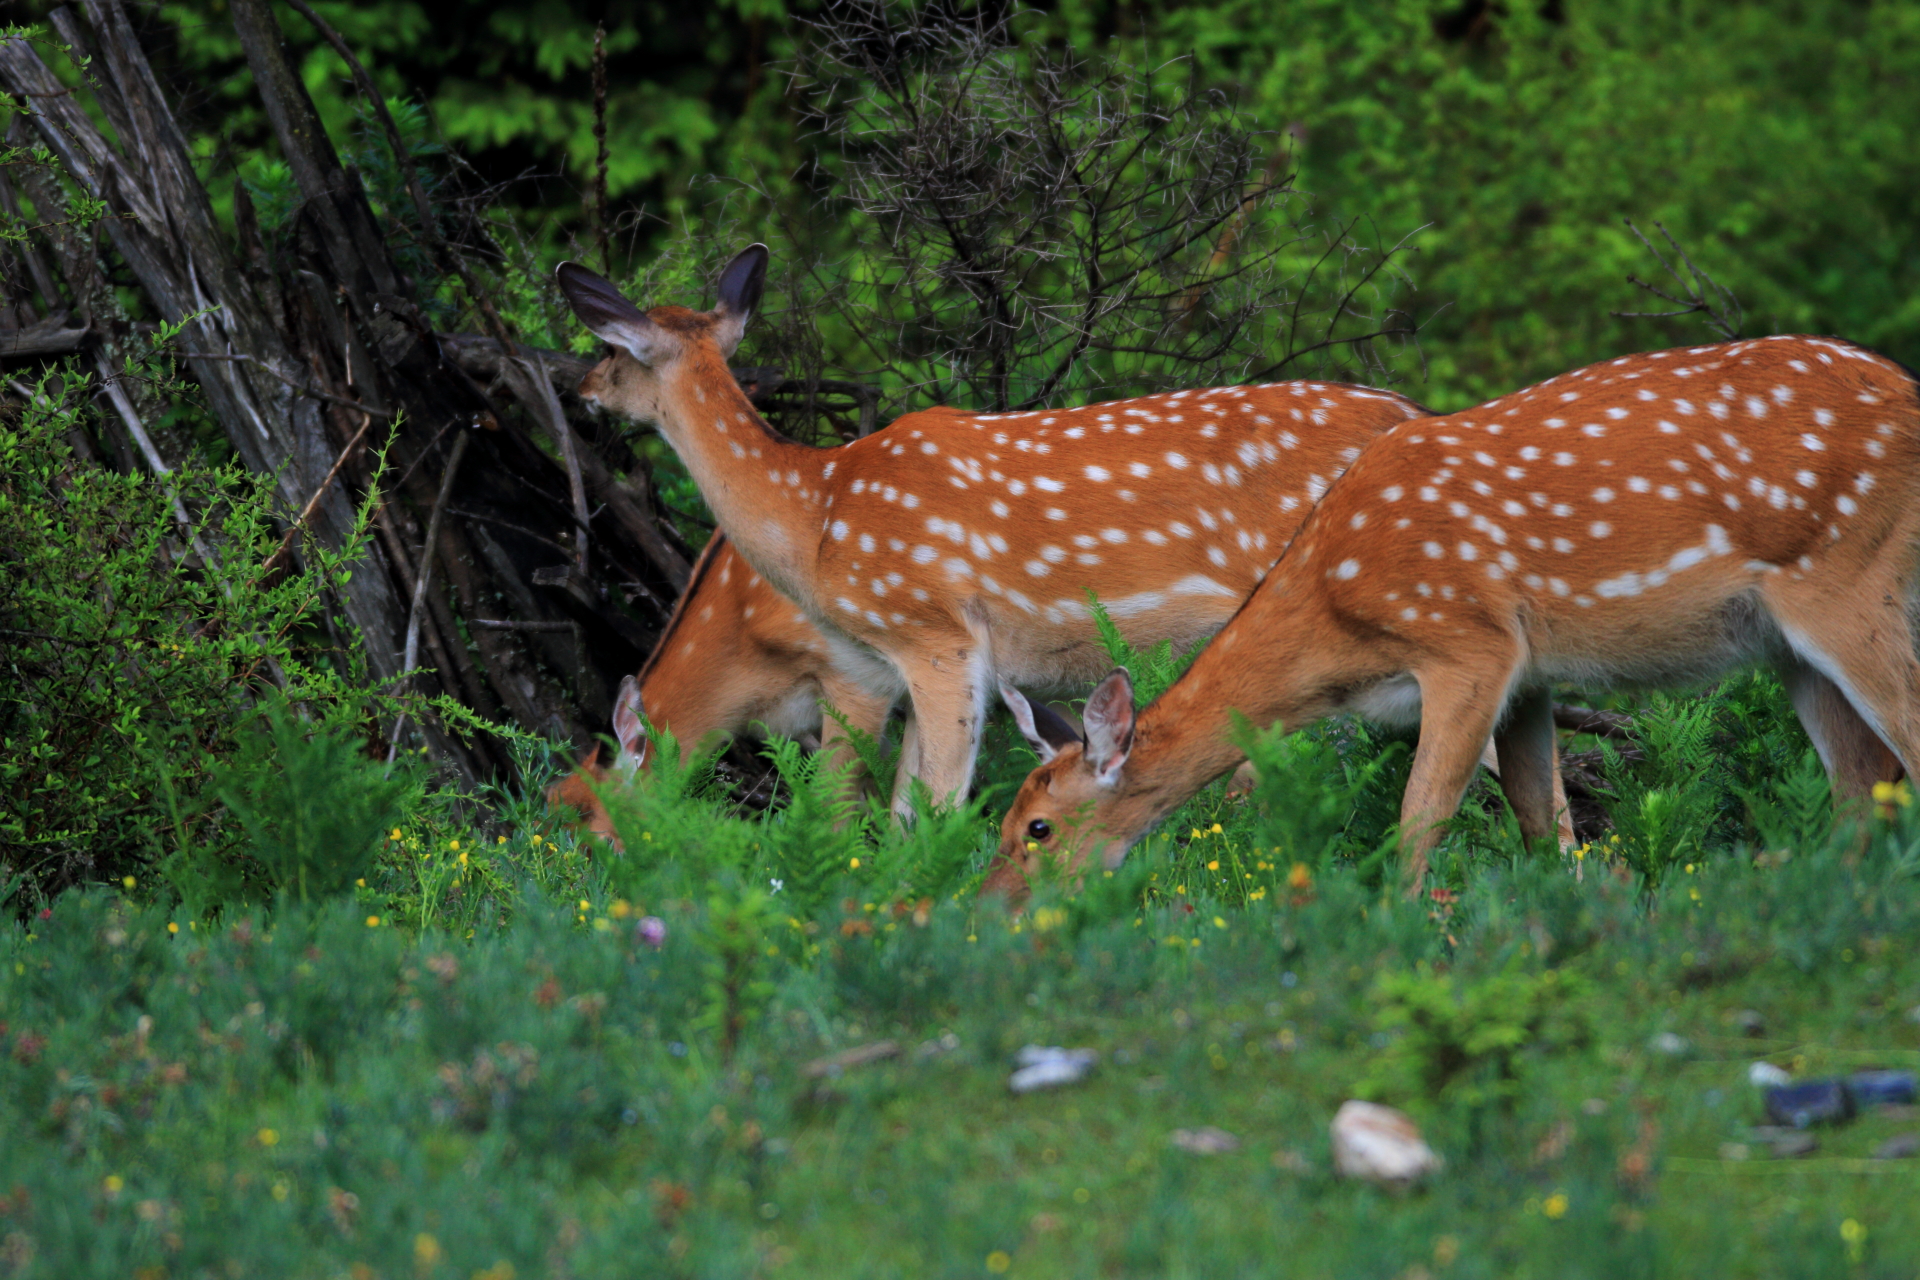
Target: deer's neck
x,y
1282,660
767,491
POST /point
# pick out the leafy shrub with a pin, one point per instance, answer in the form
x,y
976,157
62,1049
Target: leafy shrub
x,y
1467,1040
139,641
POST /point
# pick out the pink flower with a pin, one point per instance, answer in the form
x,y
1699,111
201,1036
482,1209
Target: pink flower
x,y
651,930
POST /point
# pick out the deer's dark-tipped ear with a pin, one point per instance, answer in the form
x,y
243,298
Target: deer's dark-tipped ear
x,y
1110,726
741,285
630,721
1045,730
744,280
602,309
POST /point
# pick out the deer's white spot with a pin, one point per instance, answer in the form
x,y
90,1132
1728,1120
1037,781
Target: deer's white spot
x,y
1346,569
1603,494
1038,568
839,530
924,554
1095,473
1046,485
1433,549
1177,461
1844,505
1600,529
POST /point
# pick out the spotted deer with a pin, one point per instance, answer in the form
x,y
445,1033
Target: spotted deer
x,y
915,543
735,653
1657,520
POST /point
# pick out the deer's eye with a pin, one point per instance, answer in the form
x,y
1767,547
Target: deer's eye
x,y
1039,829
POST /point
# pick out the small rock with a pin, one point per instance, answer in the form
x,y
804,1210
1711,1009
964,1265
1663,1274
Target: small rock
x,y
1735,1151
1205,1141
1809,1103
1764,1075
1669,1045
1782,1141
1380,1145
1044,1067
1901,1146
947,1043
1750,1022
1794,1145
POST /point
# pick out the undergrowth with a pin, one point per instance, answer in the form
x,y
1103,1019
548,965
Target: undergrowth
x,y
400,1029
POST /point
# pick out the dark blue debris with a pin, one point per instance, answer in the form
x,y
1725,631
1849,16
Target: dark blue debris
x,y
1881,1088
1835,1101
1810,1102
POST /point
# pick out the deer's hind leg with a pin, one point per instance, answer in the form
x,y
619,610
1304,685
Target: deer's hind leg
x,y
1459,705
1529,753
1857,636
1854,756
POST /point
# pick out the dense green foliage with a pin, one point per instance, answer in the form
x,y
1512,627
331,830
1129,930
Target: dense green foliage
x,y
1771,139
138,643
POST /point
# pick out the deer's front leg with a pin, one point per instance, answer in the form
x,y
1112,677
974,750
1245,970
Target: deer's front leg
x,y
949,693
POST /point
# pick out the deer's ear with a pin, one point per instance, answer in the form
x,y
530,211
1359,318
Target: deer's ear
x,y
630,722
1045,730
1110,726
742,284
611,317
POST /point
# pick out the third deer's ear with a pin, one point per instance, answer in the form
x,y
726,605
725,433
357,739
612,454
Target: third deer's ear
x,y
610,316
741,285
1045,729
1110,726
630,721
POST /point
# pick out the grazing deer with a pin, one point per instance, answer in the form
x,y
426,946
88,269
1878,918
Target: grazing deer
x,y
734,653
1656,520
914,542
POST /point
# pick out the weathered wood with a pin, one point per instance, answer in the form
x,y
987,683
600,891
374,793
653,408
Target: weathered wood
x,y
299,337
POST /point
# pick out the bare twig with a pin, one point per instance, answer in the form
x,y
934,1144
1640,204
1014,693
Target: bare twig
x,y
285,548
421,579
1699,293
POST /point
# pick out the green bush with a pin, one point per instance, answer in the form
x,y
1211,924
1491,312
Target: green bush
x,y
137,651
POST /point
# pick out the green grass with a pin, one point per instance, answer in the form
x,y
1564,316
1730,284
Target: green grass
x,y
499,1077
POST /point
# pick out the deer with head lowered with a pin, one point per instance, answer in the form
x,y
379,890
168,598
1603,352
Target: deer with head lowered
x,y
1657,520
734,654
958,546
